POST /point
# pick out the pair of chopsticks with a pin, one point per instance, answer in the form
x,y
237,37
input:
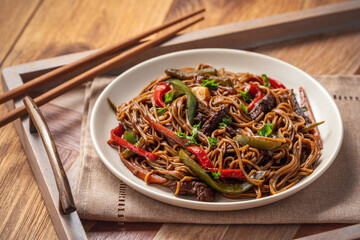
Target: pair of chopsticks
x,y
96,71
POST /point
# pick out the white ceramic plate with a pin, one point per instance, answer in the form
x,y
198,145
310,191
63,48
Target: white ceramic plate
x,y
131,82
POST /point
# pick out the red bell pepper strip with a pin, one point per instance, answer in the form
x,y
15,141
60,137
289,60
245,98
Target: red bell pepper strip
x,y
309,113
253,89
256,99
167,132
276,84
112,143
256,92
201,156
229,173
115,136
140,172
119,130
160,90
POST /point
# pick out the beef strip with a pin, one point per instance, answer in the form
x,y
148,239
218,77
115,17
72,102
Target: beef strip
x,y
203,192
213,122
264,105
200,118
299,111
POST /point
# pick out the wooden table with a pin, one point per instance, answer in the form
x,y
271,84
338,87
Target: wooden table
x,y
37,29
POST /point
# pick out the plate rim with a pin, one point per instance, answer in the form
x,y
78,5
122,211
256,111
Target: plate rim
x,y
216,206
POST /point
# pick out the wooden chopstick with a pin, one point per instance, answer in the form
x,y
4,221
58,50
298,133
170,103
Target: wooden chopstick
x,y
53,75
67,203
90,74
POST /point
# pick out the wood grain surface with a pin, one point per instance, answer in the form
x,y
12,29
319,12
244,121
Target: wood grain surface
x,y
32,30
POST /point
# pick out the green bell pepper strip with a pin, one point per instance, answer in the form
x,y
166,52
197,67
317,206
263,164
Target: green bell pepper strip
x,y
112,105
220,187
264,143
180,88
183,75
206,73
128,153
310,127
222,81
130,136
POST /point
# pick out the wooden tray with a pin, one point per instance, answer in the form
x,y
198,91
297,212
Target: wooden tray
x,y
64,114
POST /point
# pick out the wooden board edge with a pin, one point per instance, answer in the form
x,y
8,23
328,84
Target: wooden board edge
x,y
350,232
66,226
342,15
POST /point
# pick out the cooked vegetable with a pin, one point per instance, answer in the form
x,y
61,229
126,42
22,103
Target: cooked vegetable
x,y
276,84
245,108
169,96
130,136
264,143
180,88
192,138
309,113
266,83
112,105
216,175
266,130
161,111
159,92
128,153
201,156
310,127
222,81
212,141
256,93
226,121
218,186
183,75
116,136
272,82
210,84
246,97
229,173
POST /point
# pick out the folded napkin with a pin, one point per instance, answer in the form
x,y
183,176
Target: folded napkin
x,y
334,197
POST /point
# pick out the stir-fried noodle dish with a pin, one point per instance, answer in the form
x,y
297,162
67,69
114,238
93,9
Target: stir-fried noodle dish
x,y
203,131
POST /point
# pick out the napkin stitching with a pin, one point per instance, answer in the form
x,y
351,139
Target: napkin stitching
x,y
122,197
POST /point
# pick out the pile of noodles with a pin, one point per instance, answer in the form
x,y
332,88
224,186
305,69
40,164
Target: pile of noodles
x,y
284,167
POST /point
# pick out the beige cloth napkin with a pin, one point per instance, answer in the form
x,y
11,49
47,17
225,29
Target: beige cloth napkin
x,y
334,197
